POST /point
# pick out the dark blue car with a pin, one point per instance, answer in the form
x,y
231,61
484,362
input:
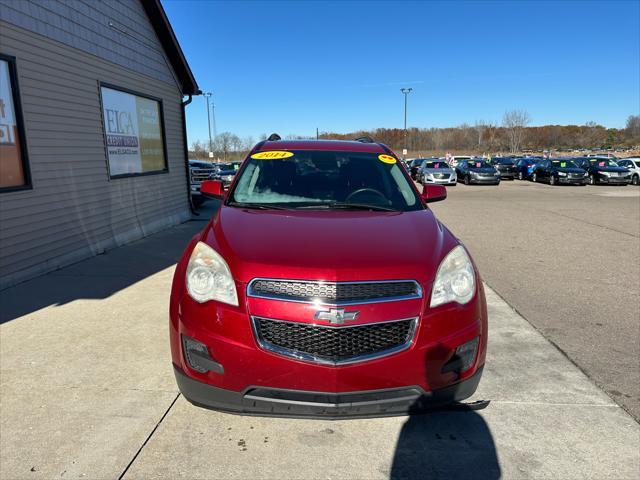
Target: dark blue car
x,y
525,166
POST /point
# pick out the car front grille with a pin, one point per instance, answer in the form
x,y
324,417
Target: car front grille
x,y
201,174
334,345
334,293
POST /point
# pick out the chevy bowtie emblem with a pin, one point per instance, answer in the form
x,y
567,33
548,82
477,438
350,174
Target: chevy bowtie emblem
x,y
336,316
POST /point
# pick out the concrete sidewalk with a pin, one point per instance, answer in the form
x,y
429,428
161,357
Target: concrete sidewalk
x,y
87,391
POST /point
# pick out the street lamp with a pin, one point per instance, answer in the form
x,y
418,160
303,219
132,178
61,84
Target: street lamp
x,y
406,92
207,95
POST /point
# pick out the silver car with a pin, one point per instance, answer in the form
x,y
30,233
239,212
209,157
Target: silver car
x,y
436,171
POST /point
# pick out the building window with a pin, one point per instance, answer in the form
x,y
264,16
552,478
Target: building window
x,y
14,169
134,132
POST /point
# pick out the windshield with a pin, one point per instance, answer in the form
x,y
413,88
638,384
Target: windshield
x,y
603,162
479,164
438,164
504,161
417,162
563,164
324,179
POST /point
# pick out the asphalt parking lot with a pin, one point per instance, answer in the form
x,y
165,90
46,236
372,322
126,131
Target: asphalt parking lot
x,y
568,259
88,391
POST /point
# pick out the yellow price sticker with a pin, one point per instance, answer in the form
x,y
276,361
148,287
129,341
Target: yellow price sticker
x,y
387,159
272,155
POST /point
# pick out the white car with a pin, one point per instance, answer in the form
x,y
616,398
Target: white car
x,y
457,158
633,165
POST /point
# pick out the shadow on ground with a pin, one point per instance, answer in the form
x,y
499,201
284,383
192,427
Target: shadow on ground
x,y
447,445
101,276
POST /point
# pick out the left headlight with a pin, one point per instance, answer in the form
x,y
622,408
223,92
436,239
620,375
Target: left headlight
x,y
562,174
209,277
455,280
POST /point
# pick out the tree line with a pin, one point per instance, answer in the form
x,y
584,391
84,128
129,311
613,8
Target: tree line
x,y
513,135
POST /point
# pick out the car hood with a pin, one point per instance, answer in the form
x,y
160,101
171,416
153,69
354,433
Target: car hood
x,y
609,169
438,170
329,245
483,170
570,170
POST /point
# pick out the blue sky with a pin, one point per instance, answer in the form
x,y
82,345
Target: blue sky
x,y
289,67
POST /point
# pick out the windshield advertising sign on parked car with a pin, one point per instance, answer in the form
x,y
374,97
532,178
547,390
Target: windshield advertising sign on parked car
x,y
134,133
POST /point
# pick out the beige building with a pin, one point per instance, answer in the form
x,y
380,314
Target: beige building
x,y
92,132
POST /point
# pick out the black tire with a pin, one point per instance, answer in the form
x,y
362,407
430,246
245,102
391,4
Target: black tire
x,y
467,180
520,176
534,177
592,180
552,180
635,180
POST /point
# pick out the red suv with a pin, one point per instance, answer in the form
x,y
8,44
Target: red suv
x,y
325,287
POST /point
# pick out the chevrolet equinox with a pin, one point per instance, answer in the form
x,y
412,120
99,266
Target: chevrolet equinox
x,y
325,287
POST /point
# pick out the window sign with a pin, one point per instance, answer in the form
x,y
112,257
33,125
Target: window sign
x,y
134,133
13,173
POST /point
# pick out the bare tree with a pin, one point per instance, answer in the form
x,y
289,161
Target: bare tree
x,y
633,126
480,128
515,122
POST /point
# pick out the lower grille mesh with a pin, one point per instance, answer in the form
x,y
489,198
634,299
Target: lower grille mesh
x,y
333,344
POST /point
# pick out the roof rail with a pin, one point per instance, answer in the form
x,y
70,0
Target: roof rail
x,y
364,139
274,137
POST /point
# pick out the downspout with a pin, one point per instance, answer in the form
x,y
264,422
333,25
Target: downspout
x,y
186,153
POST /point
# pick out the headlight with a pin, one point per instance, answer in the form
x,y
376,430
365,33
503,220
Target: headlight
x,y
455,280
209,277
562,174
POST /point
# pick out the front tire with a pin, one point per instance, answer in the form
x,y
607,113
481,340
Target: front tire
x,y
592,180
635,180
467,180
552,180
534,177
520,176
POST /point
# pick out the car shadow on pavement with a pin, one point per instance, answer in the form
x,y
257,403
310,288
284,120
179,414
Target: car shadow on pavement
x,y
445,445
103,275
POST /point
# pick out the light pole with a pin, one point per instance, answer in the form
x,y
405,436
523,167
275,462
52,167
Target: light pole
x,y
406,92
207,95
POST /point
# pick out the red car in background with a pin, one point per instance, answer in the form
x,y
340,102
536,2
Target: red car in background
x,y
325,287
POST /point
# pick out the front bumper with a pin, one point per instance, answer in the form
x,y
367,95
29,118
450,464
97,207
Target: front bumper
x,y
485,180
277,402
576,180
614,180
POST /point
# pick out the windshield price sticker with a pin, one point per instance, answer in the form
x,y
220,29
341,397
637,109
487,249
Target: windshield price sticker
x,y
272,155
387,159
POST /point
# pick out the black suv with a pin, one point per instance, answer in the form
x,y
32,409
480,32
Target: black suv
x,y
559,170
604,170
506,167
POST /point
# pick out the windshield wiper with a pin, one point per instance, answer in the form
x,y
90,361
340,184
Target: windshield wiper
x,y
257,206
349,206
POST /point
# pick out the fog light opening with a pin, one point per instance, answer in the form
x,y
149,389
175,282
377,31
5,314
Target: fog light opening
x,y
197,356
463,357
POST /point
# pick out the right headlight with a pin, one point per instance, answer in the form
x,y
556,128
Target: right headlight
x,y
209,277
455,280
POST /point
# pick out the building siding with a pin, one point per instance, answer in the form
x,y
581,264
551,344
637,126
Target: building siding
x,y
74,210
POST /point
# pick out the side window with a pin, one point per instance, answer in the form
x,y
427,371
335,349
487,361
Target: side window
x,y
14,167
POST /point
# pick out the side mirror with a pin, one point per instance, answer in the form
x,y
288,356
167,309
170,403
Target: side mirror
x,y
433,193
212,188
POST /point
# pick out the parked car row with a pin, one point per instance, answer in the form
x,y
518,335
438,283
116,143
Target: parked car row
x,y
591,170
200,170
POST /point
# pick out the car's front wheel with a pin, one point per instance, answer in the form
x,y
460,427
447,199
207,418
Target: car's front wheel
x,y
520,176
635,180
467,180
534,177
592,180
552,180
